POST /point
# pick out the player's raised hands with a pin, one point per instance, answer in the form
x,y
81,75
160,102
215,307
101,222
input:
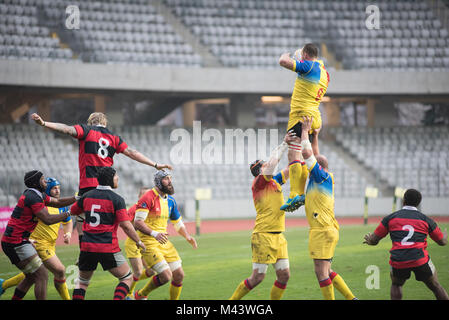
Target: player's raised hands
x,y
37,118
290,137
163,166
307,123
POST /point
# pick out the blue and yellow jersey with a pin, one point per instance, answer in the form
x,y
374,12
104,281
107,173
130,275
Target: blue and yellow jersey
x,y
310,87
320,198
49,232
159,210
268,199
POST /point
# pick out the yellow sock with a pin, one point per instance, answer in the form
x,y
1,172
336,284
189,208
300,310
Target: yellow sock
x,y
295,173
175,291
327,289
146,274
14,281
150,286
242,289
303,178
277,290
133,286
62,289
341,286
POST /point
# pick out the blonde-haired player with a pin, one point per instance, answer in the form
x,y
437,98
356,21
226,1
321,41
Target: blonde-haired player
x,y
138,264
154,209
269,245
97,148
310,86
44,240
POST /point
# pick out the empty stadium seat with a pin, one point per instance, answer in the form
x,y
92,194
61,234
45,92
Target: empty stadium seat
x,y
392,154
38,149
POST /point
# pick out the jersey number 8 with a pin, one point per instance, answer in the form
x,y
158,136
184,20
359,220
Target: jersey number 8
x,y
103,149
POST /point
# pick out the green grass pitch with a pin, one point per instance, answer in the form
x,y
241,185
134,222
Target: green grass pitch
x,y
214,270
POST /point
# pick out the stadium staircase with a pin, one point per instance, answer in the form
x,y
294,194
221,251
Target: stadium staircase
x,y
362,170
441,10
209,60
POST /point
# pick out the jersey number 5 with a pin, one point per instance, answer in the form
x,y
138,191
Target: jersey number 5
x,y
94,215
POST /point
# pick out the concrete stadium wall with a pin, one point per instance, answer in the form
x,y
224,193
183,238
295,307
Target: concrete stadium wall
x,y
344,207
212,80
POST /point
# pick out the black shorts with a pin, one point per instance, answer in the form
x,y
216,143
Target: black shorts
x,y
85,190
17,252
297,129
422,272
88,261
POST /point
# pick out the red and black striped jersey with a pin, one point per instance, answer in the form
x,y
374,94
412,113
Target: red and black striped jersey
x,y
104,210
97,147
23,220
408,229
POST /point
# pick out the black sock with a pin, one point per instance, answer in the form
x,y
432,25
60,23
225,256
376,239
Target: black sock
x,y
121,291
78,294
18,294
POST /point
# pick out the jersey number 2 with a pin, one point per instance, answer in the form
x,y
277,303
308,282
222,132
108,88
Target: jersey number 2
x,y
411,230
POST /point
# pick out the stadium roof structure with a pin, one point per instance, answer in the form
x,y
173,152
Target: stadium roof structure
x,y
131,77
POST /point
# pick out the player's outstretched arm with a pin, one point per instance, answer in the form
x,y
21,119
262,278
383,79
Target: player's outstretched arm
x,y
139,157
62,202
48,219
276,155
315,147
443,241
286,61
128,228
59,127
371,239
183,232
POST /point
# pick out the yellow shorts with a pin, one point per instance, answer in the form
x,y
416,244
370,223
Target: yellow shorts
x,y
156,252
267,248
295,118
131,249
322,242
45,249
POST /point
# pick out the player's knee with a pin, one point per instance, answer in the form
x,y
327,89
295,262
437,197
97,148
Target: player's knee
x,y
178,275
137,272
283,276
41,274
59,271
258,278
60,274
165,276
